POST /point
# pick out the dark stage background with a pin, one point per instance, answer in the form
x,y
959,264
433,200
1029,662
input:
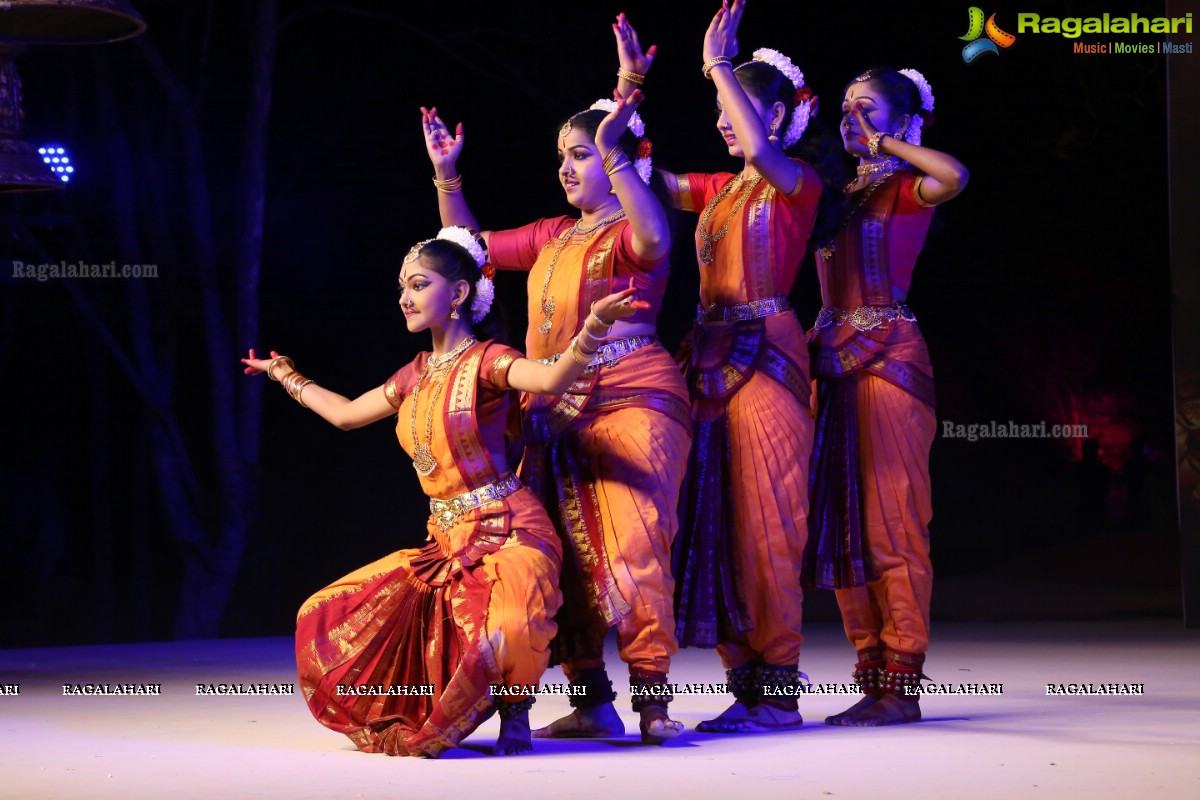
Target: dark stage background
x,y
141,498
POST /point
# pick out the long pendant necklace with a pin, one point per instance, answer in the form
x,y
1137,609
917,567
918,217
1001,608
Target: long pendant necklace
x,y
578,228
423,459
828,250
710,239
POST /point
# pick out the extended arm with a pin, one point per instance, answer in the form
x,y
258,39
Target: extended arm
x,y
528,375
341,412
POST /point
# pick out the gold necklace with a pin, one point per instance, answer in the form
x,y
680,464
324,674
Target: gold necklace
x,y
828,250
423,459
578,228
710,239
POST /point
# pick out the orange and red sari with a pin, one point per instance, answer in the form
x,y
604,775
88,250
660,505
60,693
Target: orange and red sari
x,y
871,494
608,455
402,655
745,505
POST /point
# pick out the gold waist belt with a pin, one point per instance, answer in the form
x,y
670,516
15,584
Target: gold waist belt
x,y
865,318
611,353
446,512
740,312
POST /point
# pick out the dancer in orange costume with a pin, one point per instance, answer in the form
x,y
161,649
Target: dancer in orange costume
x,y
409,654
745,502
609,453
871,498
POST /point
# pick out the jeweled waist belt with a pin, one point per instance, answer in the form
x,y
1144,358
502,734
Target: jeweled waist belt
x,y
447,512
740,312
865,318
612,352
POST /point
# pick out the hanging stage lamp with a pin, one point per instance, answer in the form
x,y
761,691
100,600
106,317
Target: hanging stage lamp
x,y
68,21
34,22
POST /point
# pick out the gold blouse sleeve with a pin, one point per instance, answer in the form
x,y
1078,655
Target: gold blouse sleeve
x,y
683,193
389,391
500,370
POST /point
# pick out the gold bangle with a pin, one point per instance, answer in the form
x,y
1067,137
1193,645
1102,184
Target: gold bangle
x,y
300,392
873,143
576,354
599,318
712,63
618,168
294,384
598,338
632,77
450,185
276,361
611,159
593,341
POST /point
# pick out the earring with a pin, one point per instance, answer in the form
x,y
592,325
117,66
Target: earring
x,y
772,137
454,311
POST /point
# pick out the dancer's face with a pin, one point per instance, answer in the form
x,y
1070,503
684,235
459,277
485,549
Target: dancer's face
x,y
581,170
724,127
875,107
426,296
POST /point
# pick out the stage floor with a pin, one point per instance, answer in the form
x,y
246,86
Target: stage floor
x,y
1018,744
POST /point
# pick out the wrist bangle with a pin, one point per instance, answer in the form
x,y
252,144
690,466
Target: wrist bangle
x,y
276,361
599,318
294,384
873,143
713,63
632,77
450,185
611,159
577,355
618,168
590,340
599,337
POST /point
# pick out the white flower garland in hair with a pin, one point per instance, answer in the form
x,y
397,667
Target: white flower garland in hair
x,y
782,63
642,166
913,134
922,86
801,112
485,289
608,106
485,293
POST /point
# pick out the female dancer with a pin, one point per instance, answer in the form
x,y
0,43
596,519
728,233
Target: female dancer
x,y
610,452
745,504
408,655
871,508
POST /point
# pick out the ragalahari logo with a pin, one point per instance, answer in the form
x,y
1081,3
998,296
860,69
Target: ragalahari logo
x,y
976,27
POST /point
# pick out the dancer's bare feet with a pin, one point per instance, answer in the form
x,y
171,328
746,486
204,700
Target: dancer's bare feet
x,y
601,722
851,713
656,726
514,736
766,717
888,709
728,721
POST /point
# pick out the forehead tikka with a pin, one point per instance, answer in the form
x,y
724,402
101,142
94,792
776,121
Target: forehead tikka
x,y
414,252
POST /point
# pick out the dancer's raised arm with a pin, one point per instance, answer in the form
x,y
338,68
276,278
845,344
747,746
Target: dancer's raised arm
x,y
444,151
752,126
647,218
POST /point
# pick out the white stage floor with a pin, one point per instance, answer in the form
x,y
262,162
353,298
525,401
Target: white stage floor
x,y
1018,744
